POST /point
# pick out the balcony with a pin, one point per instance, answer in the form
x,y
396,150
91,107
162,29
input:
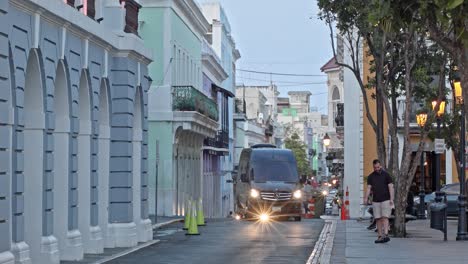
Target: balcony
x,y
219,145
187,98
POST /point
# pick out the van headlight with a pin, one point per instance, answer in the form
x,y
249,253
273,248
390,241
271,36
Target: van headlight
x,y
254,193
297,194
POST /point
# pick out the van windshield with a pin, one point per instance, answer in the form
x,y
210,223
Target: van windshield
x,y
274,171
274,166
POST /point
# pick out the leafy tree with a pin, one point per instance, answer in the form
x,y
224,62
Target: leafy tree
x,y
402,62
299,149
447,24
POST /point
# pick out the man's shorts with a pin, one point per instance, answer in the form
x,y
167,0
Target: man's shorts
x,y
383,209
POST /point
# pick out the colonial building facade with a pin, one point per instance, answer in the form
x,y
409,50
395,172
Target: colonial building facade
x,y
222,42
181,115
73,129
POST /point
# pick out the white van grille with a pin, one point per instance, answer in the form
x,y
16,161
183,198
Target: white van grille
x,y
276,196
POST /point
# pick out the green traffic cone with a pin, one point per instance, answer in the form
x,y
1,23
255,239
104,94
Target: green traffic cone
x,y
187,215
200,215
193,228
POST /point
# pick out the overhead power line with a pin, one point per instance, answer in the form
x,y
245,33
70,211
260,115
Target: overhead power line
x,y
278,82
283,74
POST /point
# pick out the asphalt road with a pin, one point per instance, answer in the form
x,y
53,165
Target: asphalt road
x,y
229,241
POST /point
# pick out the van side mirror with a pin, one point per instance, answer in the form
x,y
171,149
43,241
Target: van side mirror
x,y
244,177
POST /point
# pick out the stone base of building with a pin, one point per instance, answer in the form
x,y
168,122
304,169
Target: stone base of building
x,y
145,230
95,245
49,250
21,252
73,248
7,258
123,235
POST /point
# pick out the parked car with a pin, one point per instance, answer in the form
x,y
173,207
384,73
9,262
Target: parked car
x,y
453,188
452,202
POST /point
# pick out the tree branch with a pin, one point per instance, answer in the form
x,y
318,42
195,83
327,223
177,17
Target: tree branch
x,y
355,69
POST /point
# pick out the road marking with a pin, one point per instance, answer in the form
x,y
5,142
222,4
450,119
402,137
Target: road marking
x,y
156,226
126,252
166,233
324,245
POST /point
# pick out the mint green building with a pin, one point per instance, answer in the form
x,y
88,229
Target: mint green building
x,y
180,113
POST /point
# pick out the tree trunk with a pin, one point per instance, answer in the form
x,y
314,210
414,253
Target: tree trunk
x,y
402,188
401,195
381,146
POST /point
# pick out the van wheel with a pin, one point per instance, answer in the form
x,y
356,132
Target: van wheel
x,y
297,218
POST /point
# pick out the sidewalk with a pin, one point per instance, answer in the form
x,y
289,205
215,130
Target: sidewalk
x,y
113,253
355,244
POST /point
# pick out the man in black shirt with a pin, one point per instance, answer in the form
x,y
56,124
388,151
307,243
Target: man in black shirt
x,y
381,185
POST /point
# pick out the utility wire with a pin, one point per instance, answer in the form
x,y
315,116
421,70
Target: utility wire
x,y
278,82
282,97
282,74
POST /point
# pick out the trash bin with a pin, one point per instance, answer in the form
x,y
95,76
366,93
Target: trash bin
x,y
438,216
319,206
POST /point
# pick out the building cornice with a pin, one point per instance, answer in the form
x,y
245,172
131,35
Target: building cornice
x,y
62,15
214,67
332,70
187,9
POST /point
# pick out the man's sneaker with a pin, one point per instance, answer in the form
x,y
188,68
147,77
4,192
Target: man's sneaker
x,y
379,240
372,226
386,239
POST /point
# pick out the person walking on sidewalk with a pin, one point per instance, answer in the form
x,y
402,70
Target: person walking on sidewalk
x,y
381,185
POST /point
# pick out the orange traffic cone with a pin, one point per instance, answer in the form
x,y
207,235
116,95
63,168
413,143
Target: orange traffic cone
x,y
347,204
343,211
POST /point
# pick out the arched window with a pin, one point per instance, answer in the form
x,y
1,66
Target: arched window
x,y
335,94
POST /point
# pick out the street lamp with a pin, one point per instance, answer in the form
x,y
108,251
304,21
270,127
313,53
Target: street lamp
x,y
461,234
439,114
326,140
421,118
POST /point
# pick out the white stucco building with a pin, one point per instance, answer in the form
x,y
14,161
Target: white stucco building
x,y
222,42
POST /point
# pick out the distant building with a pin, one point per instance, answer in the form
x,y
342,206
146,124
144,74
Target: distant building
x,y
335,89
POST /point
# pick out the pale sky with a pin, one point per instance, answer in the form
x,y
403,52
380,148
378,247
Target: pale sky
x,y
281,36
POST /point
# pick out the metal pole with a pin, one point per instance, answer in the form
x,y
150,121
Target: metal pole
x,y
445,217
156,183
461,235
438,197
422,191
156,196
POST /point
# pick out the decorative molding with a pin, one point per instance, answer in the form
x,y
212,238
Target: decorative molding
x,y
189,12
64,42
214,67
61,15
86,53
37,30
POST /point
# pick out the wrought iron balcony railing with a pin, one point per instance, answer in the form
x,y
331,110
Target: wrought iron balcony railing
x,y
221,140
187,98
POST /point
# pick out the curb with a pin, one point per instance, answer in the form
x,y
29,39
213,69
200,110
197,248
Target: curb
x,y
163,224
324,245
144,245
126,252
